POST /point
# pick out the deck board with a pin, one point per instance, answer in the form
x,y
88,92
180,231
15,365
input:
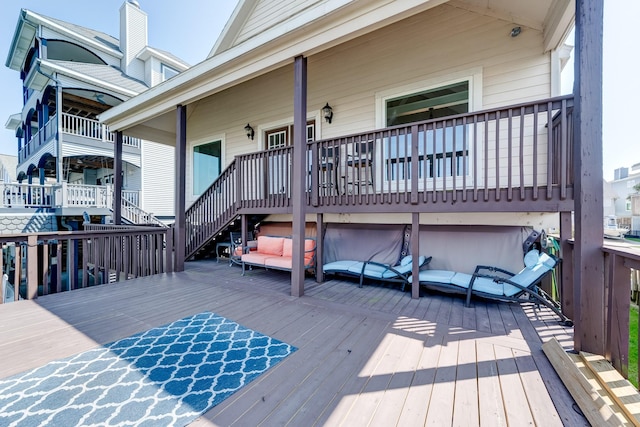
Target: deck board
x,y
366,356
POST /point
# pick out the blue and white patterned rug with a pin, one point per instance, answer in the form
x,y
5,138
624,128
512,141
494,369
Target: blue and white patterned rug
x,y
166,376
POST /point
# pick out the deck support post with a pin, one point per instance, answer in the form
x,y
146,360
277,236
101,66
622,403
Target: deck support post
x,y
319,247
117,179
566,268
299,166
415,253
588,261
181,155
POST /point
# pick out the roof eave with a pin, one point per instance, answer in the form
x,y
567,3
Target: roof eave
x,y
16,54
273,49
149,52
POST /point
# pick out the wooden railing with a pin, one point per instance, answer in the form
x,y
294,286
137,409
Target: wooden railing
x,y
515,158
43,263
74,195
482,161
71,125
620,259
41,137
135,215
80,126
215,208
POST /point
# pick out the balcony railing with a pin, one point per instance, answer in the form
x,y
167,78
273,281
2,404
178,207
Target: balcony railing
x,y
72,125
43,263
43,136
510,159
74,195
80,126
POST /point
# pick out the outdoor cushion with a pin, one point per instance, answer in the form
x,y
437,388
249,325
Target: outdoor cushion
x,y
280,262
255,258
270,245
497,283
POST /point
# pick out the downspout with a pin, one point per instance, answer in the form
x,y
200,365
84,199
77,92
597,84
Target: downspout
x,y
59,175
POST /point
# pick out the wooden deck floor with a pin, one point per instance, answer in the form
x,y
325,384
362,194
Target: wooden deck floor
x,y
370,356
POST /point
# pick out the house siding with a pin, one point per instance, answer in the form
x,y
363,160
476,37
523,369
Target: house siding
x,y
269,13
438,45
157,178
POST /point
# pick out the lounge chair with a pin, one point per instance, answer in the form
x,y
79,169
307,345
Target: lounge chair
x,y
398,273
497,284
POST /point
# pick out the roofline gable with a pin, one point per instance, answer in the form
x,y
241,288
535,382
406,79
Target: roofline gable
x,y
32,20
312,31
233,26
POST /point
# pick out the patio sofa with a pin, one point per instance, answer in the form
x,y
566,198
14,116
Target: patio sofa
x,y
276,252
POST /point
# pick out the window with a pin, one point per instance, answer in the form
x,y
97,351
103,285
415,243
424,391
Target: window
x,y
429,104
628,205
167,72
207,164
279,163
283,137
442,150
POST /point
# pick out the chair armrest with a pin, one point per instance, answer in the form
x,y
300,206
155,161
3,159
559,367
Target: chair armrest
x,y
493,269
497,280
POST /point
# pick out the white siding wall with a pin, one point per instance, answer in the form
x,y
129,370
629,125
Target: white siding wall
x,y
158,178
431,47
268,13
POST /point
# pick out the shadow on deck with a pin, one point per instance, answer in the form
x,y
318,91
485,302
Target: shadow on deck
x,y
370,356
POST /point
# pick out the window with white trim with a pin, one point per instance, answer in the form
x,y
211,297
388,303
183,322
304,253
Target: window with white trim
x,y
283,136
167,72
442,150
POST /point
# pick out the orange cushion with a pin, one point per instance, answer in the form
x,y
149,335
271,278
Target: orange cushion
x,y
279,262
270,245
287,247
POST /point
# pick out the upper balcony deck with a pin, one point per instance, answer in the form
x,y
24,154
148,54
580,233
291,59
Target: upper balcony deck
x,y
80,136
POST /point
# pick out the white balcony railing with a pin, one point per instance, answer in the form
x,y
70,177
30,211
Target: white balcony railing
x,y
75,125
74,195
72,125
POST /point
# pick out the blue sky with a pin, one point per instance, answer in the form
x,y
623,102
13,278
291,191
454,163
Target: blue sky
x,y
189,28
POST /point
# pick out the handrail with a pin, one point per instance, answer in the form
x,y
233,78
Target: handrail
x,y
62,261
512,157
216,207
620,259
134,214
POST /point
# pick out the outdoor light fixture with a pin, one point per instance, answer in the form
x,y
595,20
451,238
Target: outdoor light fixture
x,y
249,131
515,31
327,111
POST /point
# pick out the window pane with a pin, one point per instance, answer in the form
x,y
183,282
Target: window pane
x,y
429,104
207,162
168,72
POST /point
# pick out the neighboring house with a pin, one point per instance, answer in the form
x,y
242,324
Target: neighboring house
x,y
8,166
623,185
70,74
424,113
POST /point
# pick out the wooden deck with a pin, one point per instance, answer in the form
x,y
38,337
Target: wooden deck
x,y
370,356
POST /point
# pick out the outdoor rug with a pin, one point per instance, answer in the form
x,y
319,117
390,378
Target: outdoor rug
x,y
166,376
